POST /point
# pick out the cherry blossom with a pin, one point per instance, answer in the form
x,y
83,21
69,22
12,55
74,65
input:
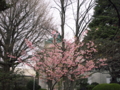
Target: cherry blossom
x,y
54,63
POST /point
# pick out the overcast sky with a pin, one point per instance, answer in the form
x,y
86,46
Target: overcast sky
x,y
69,19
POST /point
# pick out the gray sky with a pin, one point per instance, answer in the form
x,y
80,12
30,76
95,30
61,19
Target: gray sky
x,y
70,17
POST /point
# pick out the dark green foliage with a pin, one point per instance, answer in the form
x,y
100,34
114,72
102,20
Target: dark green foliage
x,y
42,89
90,87
82,83
107,87
11,78
94,83
105,32
105,22
30,85
20,88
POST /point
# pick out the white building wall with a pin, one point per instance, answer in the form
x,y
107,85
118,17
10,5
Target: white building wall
x,y
43,83
99,78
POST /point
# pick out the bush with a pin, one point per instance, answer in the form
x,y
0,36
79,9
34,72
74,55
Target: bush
x,y
90,87
111,86
82,83
94,83
42,89
30,85
20,88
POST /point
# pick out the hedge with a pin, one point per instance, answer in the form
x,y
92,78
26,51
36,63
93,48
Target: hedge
x,y
111,86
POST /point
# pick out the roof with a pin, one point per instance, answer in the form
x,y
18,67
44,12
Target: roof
x,y
50,41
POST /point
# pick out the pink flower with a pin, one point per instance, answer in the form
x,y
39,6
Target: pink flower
x,y
23,52
29,44
19,60
11,56
54,63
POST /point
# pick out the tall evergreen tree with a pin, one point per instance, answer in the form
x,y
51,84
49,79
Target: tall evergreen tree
x,y
105,21
104,31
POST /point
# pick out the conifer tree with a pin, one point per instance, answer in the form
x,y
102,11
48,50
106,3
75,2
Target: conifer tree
x,y
105,22
104,31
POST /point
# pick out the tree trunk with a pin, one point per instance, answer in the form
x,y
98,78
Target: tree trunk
x,y
113,80
60,85
68,84
50,85
6,78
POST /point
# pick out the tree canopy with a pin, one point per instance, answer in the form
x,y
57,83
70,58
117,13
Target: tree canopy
x,y
104,31
26,19
105,21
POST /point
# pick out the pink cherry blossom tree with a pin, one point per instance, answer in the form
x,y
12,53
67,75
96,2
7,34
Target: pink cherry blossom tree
x,y
55,64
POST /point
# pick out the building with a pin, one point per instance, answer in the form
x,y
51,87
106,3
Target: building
x,y
99,77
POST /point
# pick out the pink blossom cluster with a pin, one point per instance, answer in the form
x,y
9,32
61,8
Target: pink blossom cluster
x,y
29,44
56,63
11,56
101,62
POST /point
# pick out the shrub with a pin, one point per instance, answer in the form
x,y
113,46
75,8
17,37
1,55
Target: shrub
x,y
82,83
42,89
20,88
94,83
90,87
30,85
111,86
